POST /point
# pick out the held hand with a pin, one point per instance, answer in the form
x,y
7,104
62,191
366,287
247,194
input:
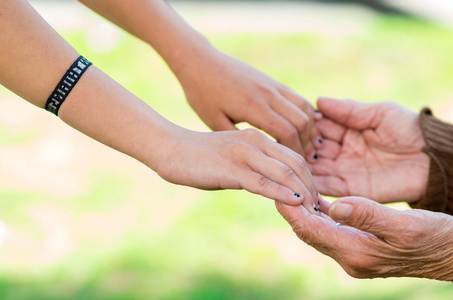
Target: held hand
x,y
370,150
378,241
237,160
225,91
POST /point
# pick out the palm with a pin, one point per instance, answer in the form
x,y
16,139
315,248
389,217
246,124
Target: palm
x,y
382,160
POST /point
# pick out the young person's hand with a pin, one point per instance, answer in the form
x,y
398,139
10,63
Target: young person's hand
x,y
244,159
222,90
102,109
225,91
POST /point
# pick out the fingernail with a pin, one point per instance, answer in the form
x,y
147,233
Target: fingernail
x,y
341,211
315,156
297,195
315,208
316,111
319,140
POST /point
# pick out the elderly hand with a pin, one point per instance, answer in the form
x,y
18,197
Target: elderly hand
x,y
225,91
378,241
370,150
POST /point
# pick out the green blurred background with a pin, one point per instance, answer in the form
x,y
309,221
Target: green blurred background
x,y
80,221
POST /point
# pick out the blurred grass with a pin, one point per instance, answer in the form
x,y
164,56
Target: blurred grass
x,y
136,238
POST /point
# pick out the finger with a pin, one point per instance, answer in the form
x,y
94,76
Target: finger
x,y
299,119
330,150
278,127
314,230
258,183
302,104
369,216
317,116
222,123
324,205
298,101
330,130
350,113
324,167
280,164
297,163
331,186
316,138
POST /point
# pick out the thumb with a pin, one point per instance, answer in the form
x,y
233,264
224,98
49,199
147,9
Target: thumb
x,y
366,215
349,113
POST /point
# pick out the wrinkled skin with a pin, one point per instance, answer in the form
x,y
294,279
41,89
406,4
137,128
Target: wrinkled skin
x,y
377,241
370,150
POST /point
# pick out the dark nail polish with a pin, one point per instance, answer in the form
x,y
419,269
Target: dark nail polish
x,y
316,111
315,208
320,140
315,156
319,204
297,195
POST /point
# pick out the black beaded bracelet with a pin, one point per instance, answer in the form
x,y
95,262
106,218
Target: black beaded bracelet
x,y
66,84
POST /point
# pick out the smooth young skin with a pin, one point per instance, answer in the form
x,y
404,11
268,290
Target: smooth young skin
x,y
221,89
370,150
378,241
33,58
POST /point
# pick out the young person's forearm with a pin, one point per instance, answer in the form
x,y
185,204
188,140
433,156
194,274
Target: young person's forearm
x,y
33,59
155,22
107,112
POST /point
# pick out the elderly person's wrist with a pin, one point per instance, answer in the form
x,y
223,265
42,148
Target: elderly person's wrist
x,y
439,147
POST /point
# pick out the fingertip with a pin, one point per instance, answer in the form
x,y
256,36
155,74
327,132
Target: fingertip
x,y
314,156
317,115
310,153
324,205
287,197
318,141
324,103
295,199
350,208
340,211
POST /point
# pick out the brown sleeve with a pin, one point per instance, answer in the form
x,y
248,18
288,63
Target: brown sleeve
x,y
439,146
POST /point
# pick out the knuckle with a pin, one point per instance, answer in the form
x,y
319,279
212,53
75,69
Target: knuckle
x,y
266,90
290,132
253,101
300,162
263,183
302,122
369,217
304,105
288,172
239,149
251,134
